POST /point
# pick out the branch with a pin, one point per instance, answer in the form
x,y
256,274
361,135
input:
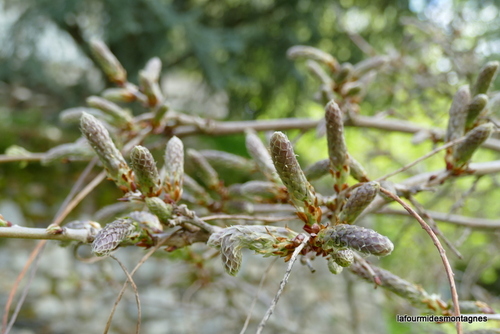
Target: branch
x,y
442,253
220,128
428,179
246,217
447,218
68,234
478,169
295,254
415,294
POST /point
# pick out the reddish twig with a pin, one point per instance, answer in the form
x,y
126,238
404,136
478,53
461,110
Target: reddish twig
x,y
442,253
60,217
136,293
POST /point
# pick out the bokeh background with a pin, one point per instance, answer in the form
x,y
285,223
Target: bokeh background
x,y
227,60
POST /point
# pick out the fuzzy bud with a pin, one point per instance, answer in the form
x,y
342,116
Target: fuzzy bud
x,y
317,170
464,150
150,88
221,160
322,168
112,235
352,88
108,62
148,220
368,64
159,208
337,149
77,151
145,170
302,51
261,156
160,113
125,95
359,199
318,71
485,77
476,106
206,172
357,170
174,168
300,191
4,222
357,238
153,69
197,191
458,114
119,115
345,72
266,240
334,267
261,190
112,159
73,115
343,257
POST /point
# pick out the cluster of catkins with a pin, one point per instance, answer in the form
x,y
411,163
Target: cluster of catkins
x,y
104,122
334,236
329,220
468,117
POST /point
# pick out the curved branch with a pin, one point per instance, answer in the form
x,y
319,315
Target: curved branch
x,y
442,253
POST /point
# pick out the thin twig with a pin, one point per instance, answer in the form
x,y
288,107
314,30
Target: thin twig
x,y
422,158
353,304
120,295
460,203
79,197
134,286
442,253
245,217
34,256
295,254
451,219
78,184
421,210
261,284
42,243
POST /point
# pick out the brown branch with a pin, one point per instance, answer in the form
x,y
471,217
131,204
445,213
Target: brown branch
x,y
245,217
473,222
442,253
216,128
